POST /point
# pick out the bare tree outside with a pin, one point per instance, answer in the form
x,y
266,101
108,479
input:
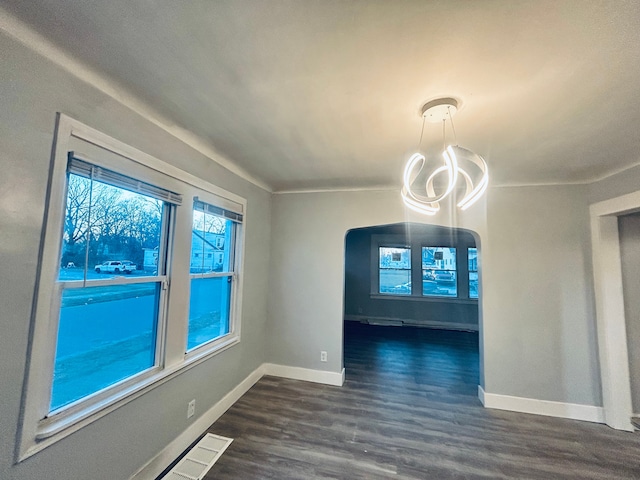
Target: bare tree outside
x,y
110,221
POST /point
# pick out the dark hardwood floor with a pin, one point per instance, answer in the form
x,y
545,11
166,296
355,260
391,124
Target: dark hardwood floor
x,y
408,410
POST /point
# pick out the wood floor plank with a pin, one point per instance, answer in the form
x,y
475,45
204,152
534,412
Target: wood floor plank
x,y
408,410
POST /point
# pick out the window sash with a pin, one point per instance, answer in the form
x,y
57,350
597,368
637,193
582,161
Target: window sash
x,y
233,222
398,247
452,270
404,288
108,177
168,212
88,401
205,335
209,209
475,271
476,259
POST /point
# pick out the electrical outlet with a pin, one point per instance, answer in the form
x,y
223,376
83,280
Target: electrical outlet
x,y
191,408
323,356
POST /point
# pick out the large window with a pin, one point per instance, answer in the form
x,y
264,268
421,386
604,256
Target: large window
x,y
211,270
140,280
109,305
395,270
436,266
439,271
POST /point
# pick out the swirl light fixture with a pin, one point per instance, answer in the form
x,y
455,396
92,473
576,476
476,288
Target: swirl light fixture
x,y
424,184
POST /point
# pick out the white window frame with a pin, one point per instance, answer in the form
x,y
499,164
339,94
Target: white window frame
x,y
416,244
469,272
216,343
40,427
445,269
379,268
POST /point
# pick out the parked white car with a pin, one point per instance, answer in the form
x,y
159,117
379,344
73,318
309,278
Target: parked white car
x,y
116,266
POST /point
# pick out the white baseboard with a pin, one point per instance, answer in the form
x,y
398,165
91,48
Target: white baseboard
x,y
481,394
306,374
574,411
161,461
434,324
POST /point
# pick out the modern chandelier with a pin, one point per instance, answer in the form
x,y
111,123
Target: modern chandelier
x,y
426,182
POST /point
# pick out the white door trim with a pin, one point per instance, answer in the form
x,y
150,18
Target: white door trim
x,y
610,316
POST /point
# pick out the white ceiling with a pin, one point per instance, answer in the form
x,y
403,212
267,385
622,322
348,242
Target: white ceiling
x,y
315,94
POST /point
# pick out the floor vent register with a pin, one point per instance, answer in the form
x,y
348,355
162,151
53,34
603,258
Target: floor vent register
x,y
197,462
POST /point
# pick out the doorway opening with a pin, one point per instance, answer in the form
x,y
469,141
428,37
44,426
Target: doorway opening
x,y
629,231
608,220
411,306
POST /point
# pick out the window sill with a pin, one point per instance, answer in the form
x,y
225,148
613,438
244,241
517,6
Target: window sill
x,y
52,429
420,298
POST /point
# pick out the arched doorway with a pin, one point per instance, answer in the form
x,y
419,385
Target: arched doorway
x,y
421,278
